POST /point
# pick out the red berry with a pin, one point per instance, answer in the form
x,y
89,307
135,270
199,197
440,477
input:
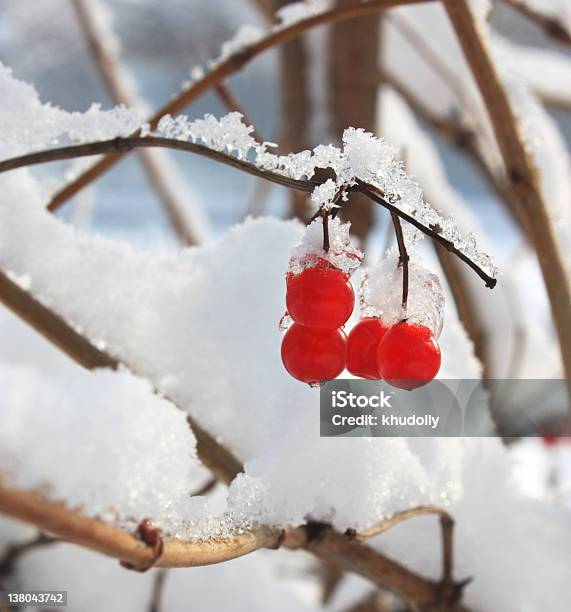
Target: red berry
x,y
408,356
320,297
314,355
362,345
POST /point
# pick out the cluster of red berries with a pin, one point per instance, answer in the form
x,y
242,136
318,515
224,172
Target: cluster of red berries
x,y
315,349
320,300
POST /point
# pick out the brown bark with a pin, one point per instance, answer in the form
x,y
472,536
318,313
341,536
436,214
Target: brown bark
x,y
521,171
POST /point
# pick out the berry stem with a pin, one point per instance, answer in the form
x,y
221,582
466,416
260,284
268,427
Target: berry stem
x,y
326,231
403,258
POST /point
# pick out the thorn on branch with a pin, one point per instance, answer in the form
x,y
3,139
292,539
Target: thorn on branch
x,y
151,536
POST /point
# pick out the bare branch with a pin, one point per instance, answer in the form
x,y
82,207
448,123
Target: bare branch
x,y
158,591
419,593
465,139
112,73
226,68
553,27
521,171
14,552
396,519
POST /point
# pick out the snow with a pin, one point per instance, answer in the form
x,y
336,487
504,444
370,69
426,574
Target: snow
x,y
293,13
383,293
362,156
342,254
201,327
245,35
28,125
142,445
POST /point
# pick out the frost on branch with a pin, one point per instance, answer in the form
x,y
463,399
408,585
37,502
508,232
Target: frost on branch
x,y
27,124
297,11
362,156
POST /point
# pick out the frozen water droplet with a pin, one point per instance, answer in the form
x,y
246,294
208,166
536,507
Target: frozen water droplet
x,y
285,322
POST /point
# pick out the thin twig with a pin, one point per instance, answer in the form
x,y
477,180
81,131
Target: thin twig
x,y
326,231
224,69
121,145
403,258
521,170
129,143
447,529
465,138
188,229
397,519
377,196
552,26
426,52
14,552
160,577
204,489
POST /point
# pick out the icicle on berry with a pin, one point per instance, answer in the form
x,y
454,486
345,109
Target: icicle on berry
x,y
314,355
320,296
408,356
362,345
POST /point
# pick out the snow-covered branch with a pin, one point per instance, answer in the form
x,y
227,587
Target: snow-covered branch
x,y
248,44
365,158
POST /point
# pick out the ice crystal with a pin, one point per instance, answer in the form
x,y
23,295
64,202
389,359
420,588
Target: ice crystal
x,y
382,293
362,157
246,35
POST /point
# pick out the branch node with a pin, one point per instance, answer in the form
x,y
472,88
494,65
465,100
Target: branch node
x,y
315,530
151,536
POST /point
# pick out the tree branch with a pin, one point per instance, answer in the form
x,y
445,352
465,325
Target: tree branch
x,y
69,525
377,196
553,27
187,230
133,142
14,552
122,145
224,69
521,171
397,519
